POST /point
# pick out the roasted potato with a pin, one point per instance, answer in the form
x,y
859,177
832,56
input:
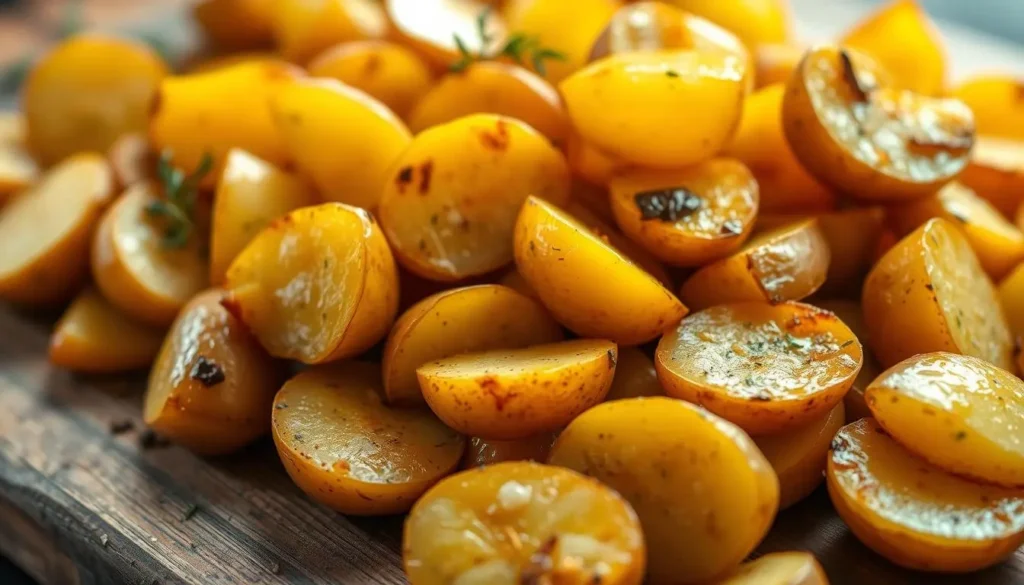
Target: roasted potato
x,y
850,313
303,29
435,28
798,456
635,376
781,568
592,217
1011,299
132,160
481,452
995,100
18,170
590,163
996,173
774,63
236,25
755,22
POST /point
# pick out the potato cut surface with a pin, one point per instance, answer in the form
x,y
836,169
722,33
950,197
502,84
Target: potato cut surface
x,y
784,568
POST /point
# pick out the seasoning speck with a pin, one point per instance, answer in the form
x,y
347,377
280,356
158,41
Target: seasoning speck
x,y
670,204
207,372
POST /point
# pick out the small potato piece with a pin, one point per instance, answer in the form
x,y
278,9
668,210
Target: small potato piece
x,y
998,244
755,22
610,235
862,137
635,376
496,88
516,282
93,336
251,194
343,139
849,312
783,568
481,452
591,163
457,321
916,515
687,217
765,368
316,285
783,183
86,92
305,28
132,160
995,100
906,43
561,259
929,294
522,523
430,27
347,450
957,412
17,168
798,456
133,268
788,263
704,493
391,73
602,103
212,384
515,393
236,25
450,202
45,231
1011,298
996,173
775,63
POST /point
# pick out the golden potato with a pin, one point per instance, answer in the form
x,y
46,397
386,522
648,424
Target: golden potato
x,y
45,231
995,100
957,412
86,92
781,568
457,321
93,336
131,160
861,136
591,217
211,387
431,27
755,22
798,456
305,28
1011,298
602,103
450,202
635,376
18,170
561,259
774,63
914,514
135,267
209,63
481,452
316,285
849,312
787,263
687,217
347,450
522,523
389,72
996,173
515,281
930,294
236,24
590,163
251,194
765,368
343,139
704,493
516,393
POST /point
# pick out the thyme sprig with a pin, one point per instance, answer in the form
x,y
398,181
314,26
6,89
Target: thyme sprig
x,y
176,210
521,48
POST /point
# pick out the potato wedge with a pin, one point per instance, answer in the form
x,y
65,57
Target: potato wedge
x,y
996,173
995,100
930,294
560,258
510,394
687,217
515,281
347,450
303,29
71,105
45,231
531,523
450,203
93,336
635,376
212,385
430,27
914,514
251,194
956,412
765,368
481,452
788,263
316,285
774,63
799,455
132,160
850,313
236,25
701,514
755,22
134,268
341,138
592,217
781,568
457,321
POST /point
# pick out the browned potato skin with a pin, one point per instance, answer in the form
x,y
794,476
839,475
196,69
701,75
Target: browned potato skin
x,y
210,418
799,456
481,452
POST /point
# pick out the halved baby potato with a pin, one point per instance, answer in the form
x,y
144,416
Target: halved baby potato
x,y
635,376
590,163
996,173
704,493
859,135
916,515
522,523
212,384
434,28
687,217
235,25
457,321
302,29
995,100
133,267
765,368
481,452
347,450
929,293
45,231
561,259
787,263
774,63
592,217
516,393
850,313
957,412
450,203
755,22
782,568
93,336
18,170
316,285
1011,298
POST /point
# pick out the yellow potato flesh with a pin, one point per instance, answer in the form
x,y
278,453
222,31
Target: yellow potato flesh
x,y
996,172
17,168
755,22
591,216
516,393
914,514
349,451
798,456
995,100
304,28
518,523
784,568
704,494
635,376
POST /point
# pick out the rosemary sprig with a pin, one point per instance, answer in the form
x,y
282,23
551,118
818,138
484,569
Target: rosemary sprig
x,y
180,192
519,47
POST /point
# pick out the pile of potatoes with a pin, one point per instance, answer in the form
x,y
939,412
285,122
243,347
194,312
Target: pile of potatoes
x,y
593,288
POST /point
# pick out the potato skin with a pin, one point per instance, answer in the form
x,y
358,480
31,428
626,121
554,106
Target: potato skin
x,y
781,568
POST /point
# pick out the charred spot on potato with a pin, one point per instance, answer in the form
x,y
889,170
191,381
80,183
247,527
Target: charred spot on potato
x,y
668,205
497,140
207,372
611,360
404,178
426,172
861,93
540,564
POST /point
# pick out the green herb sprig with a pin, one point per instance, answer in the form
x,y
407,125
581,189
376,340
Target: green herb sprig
x,y
176,209
521,48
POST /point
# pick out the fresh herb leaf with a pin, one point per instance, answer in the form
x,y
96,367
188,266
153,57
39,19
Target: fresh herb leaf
x,y
524,49
798,342
180,192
